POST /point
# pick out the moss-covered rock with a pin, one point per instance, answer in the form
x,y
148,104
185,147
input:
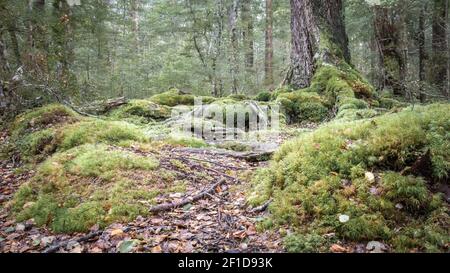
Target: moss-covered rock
x,y
49,116
39,133
141,111
175,97
358,169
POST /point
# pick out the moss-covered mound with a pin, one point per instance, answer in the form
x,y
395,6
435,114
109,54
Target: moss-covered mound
x,y
175,97
49,116
364,180
36,139
90,184
141,111
335,90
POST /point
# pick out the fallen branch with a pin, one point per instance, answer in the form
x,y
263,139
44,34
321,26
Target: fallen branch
x,y
87,237
261,208
184,202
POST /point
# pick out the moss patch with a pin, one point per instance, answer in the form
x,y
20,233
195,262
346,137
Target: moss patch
x,y
175,97
87,185
141,111
357,169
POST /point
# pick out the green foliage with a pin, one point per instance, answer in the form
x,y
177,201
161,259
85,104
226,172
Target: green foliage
x,y
321,175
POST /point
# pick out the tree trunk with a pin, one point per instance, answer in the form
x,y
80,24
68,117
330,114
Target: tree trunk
x,y
15,43
316,23
422,52
135,23
388,26
268,63
234,45
248,34
440,46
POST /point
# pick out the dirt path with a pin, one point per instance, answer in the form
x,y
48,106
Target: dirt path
x,y
220,223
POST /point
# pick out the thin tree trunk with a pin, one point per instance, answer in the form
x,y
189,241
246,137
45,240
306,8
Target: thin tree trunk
x,y
15,44
268,63
422,52
440,45
234,46
248,34
135,23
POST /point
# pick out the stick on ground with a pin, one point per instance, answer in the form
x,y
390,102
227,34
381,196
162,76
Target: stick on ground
x,y
201,195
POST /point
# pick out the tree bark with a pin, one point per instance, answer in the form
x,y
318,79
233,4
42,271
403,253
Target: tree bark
x,y
135,23
422,52
440,46
268,63
314,23
234,46
388,26
248,34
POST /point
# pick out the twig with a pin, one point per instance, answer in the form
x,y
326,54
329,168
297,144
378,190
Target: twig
x,y
201,195
87,237
261,208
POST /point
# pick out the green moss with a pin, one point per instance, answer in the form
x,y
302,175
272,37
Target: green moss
x,y
141,111
263,96
87,185
99,131
321,175
38,145
41,118
238,97
186,141
309,243
303,106
390,103
175,97
234,146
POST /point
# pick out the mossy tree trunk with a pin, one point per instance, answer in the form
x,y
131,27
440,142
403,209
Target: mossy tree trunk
x,y
318,36
388,33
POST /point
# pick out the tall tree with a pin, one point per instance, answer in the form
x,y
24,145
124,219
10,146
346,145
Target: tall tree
x,y
422,50
248,34
268,62
234,67
312,23
440,47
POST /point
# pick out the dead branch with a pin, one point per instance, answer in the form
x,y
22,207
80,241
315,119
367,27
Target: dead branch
x,y
261,208
87,237
201,195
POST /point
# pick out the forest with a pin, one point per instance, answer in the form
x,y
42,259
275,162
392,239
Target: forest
x,y
224,126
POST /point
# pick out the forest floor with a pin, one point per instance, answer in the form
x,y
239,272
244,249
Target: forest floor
x,y
220,222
